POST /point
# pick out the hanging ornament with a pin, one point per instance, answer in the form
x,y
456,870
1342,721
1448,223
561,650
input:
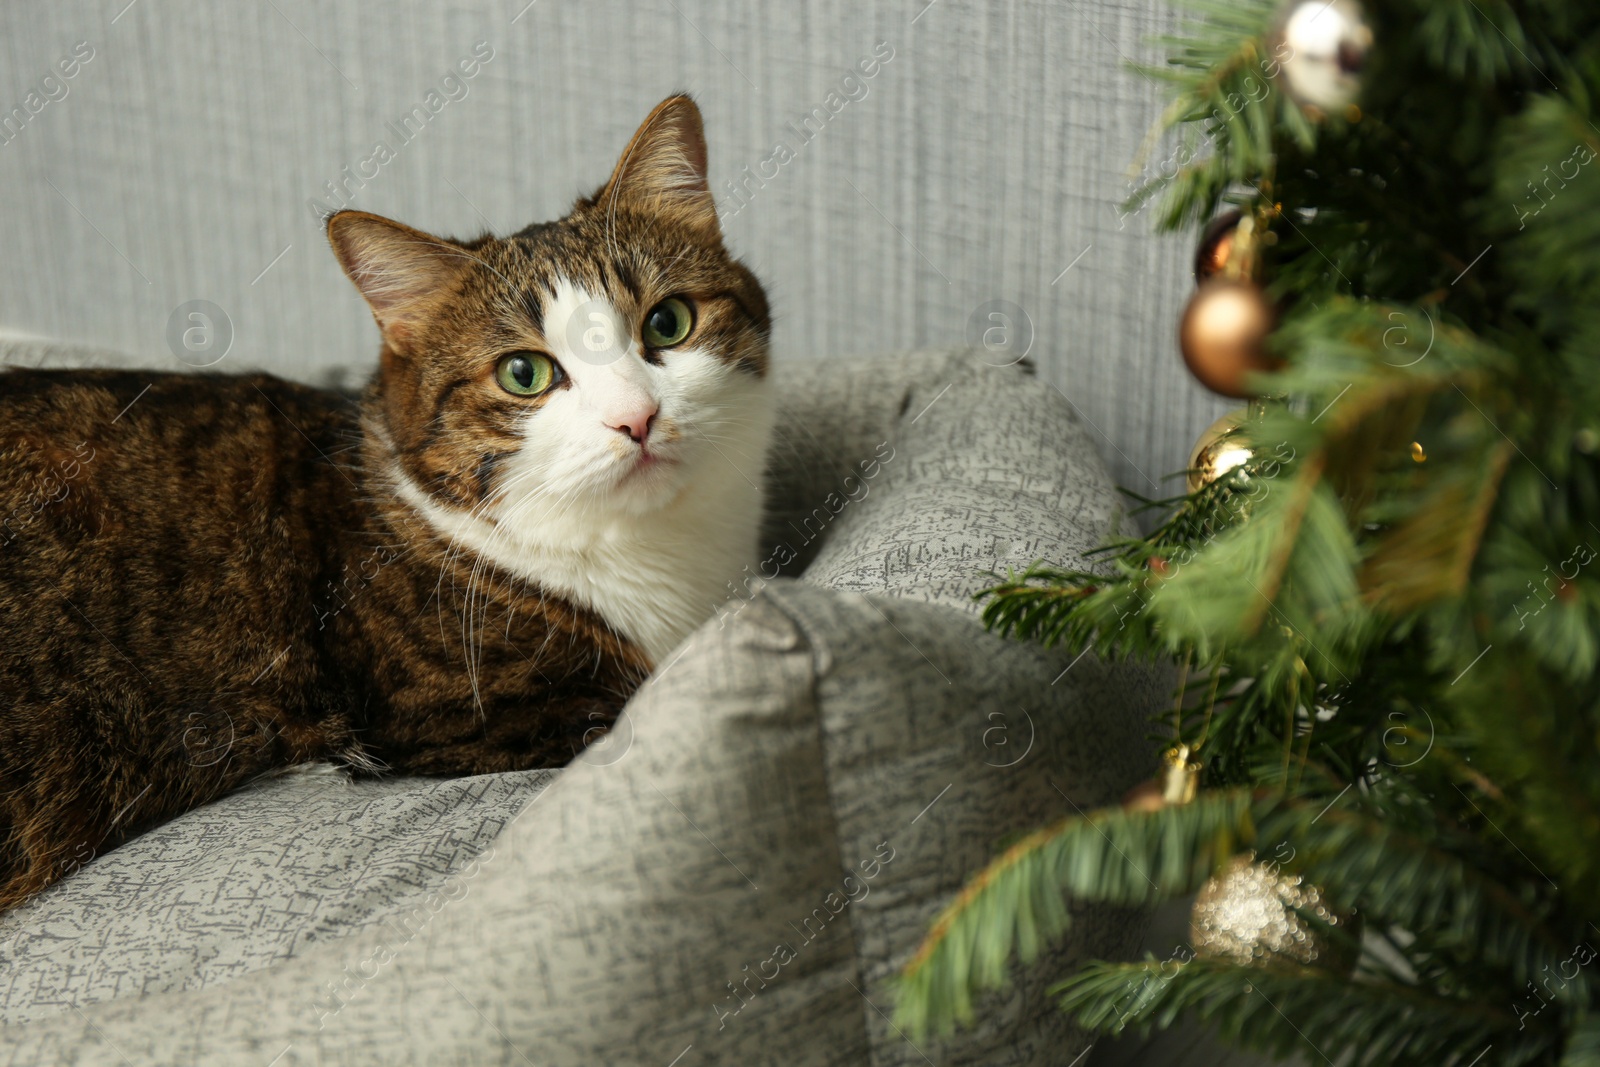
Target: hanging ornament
x,y
1229,244
1223,335
1216,244
1324,45
1251,914
1218,450
1177,783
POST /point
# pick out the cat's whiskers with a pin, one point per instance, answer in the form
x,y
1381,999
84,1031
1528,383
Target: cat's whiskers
x,y
453,550
471,625
498,531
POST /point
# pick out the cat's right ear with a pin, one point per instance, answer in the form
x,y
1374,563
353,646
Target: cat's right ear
x,y
401,272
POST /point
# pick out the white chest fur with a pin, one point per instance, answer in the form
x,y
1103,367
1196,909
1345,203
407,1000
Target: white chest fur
x,y
655,577
652,577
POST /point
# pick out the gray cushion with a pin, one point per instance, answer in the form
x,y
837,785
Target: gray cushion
x,y
990,471
254,878
793,743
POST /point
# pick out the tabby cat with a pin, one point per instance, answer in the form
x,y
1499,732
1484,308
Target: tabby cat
x,y
551,478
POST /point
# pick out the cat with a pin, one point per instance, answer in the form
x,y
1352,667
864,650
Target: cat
x,y
553,476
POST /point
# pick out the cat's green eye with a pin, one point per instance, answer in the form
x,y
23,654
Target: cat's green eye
x,y
667,323
526,373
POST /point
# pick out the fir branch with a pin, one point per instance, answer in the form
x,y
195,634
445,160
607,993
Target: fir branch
x,y
1437,262
1583,1044
1282,1009
1394,877
1429,557
1018,903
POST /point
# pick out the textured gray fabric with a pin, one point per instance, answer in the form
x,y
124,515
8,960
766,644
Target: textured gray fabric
x,y
764,765
603,928
984,162
990,472
834,414
787,762
947,740
257,877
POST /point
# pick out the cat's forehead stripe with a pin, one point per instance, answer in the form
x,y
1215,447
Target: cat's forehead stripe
x,y
625,279
532,305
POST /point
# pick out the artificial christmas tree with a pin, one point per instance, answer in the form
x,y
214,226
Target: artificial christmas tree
x,y
1388,614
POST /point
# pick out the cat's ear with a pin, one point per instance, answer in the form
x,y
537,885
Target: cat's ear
x,y
402,272
663,170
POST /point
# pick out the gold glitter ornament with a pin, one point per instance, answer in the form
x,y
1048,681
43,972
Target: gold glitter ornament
x,y
1248,915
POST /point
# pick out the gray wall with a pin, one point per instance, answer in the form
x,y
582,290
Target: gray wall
x,y
985,158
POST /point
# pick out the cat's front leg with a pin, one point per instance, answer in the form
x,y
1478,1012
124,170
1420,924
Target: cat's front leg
x,y
506,734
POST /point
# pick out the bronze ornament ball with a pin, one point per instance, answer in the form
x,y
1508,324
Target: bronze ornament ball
x,y
1223,335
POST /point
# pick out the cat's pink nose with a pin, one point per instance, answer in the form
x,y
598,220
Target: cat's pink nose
x,y
635,423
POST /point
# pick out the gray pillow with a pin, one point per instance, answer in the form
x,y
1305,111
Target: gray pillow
x,y
990,471
986,470
946,742
252,879
740,883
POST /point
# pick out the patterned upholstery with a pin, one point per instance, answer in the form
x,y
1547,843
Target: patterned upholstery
x,y
734,875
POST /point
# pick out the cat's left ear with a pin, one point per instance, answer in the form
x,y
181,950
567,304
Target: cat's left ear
x,y
403,273
663,171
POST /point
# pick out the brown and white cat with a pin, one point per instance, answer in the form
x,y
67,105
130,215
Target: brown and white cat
x,y
552,477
